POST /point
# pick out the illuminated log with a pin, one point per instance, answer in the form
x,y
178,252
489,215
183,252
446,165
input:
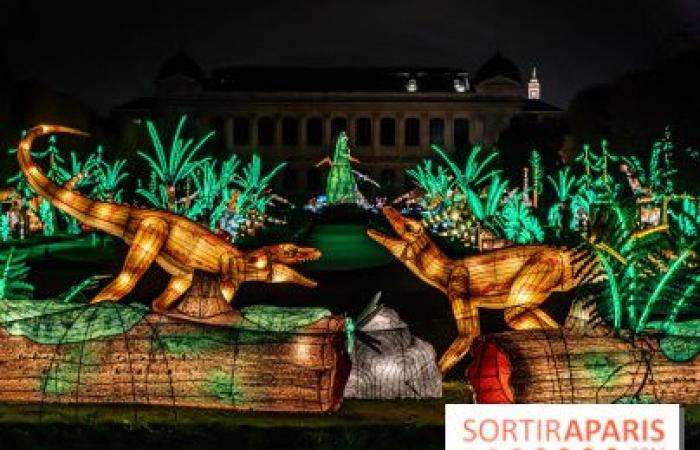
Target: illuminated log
x,y
557,366
164,361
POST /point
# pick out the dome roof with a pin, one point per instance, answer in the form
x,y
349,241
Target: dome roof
x,y
181,64
498,65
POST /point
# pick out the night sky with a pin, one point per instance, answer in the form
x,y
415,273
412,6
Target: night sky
x,y
110,54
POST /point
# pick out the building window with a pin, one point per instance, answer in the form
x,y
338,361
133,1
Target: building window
x,y
290,179
241,131
314,131
314,178
338,124
363,132
437,131
266,131
412,131
388,131
461,133
290,131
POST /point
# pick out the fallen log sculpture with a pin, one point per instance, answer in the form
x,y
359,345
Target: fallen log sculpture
x,y
567,366
264,359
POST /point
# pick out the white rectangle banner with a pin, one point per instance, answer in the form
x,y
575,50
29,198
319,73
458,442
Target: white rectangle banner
x,y
562,427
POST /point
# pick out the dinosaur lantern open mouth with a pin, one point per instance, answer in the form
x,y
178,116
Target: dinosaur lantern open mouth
x,y
397,222
285,274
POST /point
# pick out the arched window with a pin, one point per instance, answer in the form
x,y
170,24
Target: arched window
x,y
412,131
363,131
338,124
388,131
241,131
314,131
461,133
437,131
290,131
266,131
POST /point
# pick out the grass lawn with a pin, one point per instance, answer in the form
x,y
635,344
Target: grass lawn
x,y
345,247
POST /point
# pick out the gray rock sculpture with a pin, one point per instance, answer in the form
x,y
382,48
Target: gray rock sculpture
x,y
390,363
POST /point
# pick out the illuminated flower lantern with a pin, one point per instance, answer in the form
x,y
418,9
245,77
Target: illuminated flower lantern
x,y
340,186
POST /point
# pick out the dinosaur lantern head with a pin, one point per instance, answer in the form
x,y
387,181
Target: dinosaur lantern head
x,y
267,264
291,254
412,235
270,264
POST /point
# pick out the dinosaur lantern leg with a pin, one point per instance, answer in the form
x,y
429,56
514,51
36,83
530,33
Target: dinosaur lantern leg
x,y
147,243
467,319
178,285
529,290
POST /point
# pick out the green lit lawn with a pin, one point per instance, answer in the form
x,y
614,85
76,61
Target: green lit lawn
x,y
345,247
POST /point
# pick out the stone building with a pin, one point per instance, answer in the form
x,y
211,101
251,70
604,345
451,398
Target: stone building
x,y
293,114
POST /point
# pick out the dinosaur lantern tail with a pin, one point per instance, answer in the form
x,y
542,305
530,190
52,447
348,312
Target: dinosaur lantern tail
x,y
107,217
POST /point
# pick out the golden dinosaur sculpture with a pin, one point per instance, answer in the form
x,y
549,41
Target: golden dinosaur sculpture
x,y
178,245
515,279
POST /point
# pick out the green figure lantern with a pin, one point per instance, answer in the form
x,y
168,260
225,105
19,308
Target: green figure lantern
x,y
340,186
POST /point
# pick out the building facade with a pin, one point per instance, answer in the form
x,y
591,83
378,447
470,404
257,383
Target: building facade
x,y
391,115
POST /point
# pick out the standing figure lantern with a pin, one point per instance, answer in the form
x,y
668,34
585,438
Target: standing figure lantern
x,y
340,186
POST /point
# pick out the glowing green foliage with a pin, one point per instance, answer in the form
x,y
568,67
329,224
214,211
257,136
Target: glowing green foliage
x,y
109,177
76,291
649,274
537,174
518,223
588,159
13,274
687,217
47,217
475,172
245,210
171,167
436,185
563,188
487,212
4,228
661,170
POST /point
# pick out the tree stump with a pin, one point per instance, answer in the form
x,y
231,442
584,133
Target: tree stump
x,y
203,302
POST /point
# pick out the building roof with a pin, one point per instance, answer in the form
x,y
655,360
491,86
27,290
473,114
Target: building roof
x,y
339,79
181,65
498,66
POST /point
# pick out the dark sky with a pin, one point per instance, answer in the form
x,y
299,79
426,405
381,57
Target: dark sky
x,y
109,52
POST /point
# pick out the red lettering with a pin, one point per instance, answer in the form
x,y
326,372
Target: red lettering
x,y
553,428
573,431
630,429
610,431
509,427
527,423
592,427
468,429
494,428
658,426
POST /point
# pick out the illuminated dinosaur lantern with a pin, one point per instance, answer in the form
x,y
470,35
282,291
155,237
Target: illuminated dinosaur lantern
x,y
515,279
178,245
